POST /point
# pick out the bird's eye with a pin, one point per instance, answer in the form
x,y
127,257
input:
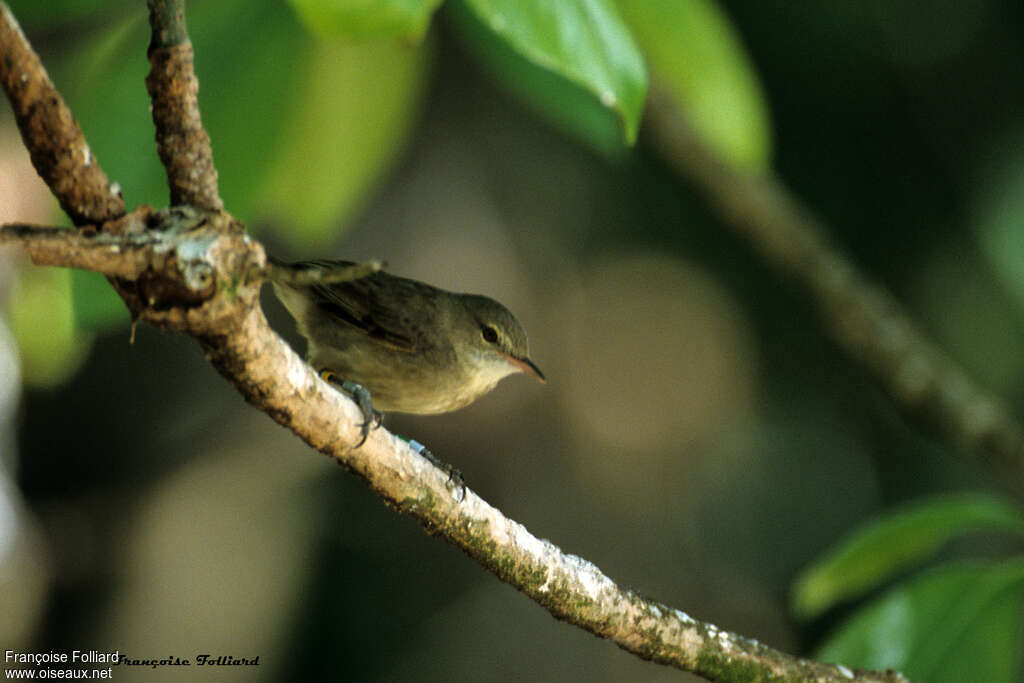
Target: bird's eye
x,y
490,334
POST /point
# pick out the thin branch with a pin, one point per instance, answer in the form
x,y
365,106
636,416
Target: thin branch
x,y
230,326
55,142
181,140
254,359
167,19
865,319
88,249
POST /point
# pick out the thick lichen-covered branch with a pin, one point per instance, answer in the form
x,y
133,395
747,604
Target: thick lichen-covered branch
x,y
54,140
864,318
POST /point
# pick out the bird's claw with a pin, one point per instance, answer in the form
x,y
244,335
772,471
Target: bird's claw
x,y
455,478
372,418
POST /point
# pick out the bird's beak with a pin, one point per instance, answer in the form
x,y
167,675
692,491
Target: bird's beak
x,y
526,366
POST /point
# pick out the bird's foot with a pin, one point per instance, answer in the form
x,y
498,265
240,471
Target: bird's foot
x,y
455,480
371,417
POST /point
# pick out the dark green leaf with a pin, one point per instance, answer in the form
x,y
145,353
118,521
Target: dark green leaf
x,y
878,551
956,623
583,43
566,105
34,14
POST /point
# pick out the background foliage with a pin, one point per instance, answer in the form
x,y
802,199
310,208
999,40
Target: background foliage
x,y
700,439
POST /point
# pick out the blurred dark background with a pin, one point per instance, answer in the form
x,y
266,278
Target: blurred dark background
x,y
700,439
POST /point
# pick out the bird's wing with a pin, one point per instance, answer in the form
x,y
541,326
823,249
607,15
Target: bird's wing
x,y
377,305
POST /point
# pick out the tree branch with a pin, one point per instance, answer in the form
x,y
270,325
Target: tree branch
x,y
181,140
189,269
54,140
87,248
222,311
864,318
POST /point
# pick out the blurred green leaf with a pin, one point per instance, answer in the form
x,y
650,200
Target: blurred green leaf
x,y
999,211
353,115
97,306
367,18
247,54
238,45
970,312
251,58
955,623
300,128
102,81
698,60
876,552
583,43
33,14
43,322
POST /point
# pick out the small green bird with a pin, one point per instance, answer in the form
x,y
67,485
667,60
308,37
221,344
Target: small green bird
x,y
413,347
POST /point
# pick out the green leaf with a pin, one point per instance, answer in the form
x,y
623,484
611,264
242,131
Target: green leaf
x,y
247,54
102,81
698,60
582,42
301,128
357,105
876,552
367,18
565,105
955,623
250,58
33,14
42,319
246,57
97,306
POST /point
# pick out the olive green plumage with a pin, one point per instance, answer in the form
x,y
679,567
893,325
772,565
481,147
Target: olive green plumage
x,y
414,347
